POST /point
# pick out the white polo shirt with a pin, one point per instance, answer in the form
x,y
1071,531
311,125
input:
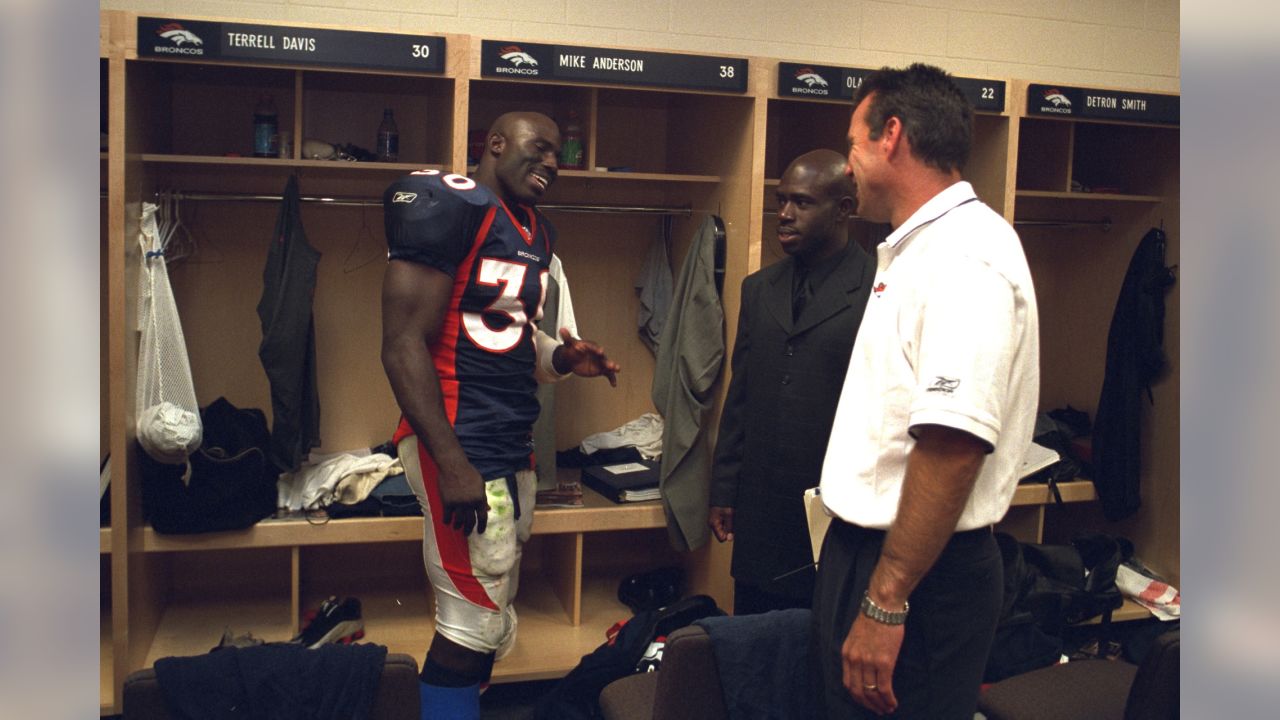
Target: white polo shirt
x,y
950,337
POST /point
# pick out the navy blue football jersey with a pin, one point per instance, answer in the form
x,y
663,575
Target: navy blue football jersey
x,y
498,257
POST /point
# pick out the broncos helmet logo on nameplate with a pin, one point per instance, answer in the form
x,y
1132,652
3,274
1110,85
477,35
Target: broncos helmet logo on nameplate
x,y
514,55
178,35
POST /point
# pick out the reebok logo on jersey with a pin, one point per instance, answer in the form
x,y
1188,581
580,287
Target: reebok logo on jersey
x,y
528,256
944,385
404,197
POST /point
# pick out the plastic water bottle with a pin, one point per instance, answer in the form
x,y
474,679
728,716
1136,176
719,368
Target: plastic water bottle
x,y
388,146
572,152
265,128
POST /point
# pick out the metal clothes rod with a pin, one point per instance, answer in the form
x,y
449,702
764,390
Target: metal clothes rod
x,y
365,202
1104,223
857,218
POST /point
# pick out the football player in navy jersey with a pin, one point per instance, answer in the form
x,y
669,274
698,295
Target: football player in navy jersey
x,y
461,297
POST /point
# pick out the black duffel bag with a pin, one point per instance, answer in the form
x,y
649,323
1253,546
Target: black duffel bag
x,y
231,484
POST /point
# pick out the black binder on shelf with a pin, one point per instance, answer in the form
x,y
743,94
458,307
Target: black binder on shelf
x,y
624,482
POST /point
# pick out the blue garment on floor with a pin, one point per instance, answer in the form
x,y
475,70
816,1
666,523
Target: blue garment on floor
x,y
282,681
764,664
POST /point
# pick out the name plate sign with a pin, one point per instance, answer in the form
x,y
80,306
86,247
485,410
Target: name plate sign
x,y
807,80
1062,101
224,41
533,61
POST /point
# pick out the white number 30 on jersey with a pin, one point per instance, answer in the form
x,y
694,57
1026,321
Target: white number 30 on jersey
x,y
510,277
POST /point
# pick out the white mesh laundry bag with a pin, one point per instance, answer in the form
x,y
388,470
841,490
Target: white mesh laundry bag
x,y
168,416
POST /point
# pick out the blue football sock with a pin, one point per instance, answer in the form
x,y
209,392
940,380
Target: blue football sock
x,y
449,703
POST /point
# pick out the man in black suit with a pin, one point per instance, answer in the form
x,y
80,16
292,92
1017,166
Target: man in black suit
x,y
796,327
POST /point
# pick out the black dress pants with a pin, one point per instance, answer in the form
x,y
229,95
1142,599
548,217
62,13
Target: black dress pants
x,y
948,632
751,600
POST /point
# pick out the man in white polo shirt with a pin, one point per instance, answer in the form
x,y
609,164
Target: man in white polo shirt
x,y
936,411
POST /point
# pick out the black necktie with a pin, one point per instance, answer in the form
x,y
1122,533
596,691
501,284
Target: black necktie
x,y
800,293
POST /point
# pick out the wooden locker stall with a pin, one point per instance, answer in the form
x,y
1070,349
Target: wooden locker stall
x,y
1096,169
654,156
186,132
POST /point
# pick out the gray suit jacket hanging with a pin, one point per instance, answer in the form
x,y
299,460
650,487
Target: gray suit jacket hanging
x,y
690,353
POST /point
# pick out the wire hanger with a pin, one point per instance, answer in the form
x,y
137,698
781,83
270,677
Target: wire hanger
x,y
179,242
347,267
163,222
198,253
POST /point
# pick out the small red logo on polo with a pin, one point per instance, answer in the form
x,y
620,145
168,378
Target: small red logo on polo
x,y
878,288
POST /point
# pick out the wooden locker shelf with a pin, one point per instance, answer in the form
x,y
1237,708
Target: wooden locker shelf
x,y
1085,197
598,514
1073,491
1130,610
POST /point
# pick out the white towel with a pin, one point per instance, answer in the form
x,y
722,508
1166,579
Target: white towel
x,y
1162,599
645,433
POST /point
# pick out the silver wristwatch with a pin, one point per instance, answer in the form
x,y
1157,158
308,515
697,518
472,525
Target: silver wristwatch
x,y
880,615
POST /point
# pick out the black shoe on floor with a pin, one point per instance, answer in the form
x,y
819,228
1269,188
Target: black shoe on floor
x,y
337,621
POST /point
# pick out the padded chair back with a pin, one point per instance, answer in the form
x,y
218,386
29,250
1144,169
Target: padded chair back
x,y
1092,689
1154,694
686,687
397,697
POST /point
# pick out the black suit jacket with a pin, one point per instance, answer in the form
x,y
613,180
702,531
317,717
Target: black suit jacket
x,y
777,416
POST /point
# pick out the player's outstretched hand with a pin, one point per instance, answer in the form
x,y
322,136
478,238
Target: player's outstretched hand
x,y
585,358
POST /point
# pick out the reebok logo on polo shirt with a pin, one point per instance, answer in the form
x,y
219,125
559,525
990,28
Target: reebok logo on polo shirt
x,y
944,385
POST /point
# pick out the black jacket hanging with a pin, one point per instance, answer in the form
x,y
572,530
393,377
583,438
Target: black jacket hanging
x,y
1135,359
288,349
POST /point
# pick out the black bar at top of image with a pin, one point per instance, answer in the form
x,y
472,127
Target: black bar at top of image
x,y
535,61
806,80
1092,104
224,41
